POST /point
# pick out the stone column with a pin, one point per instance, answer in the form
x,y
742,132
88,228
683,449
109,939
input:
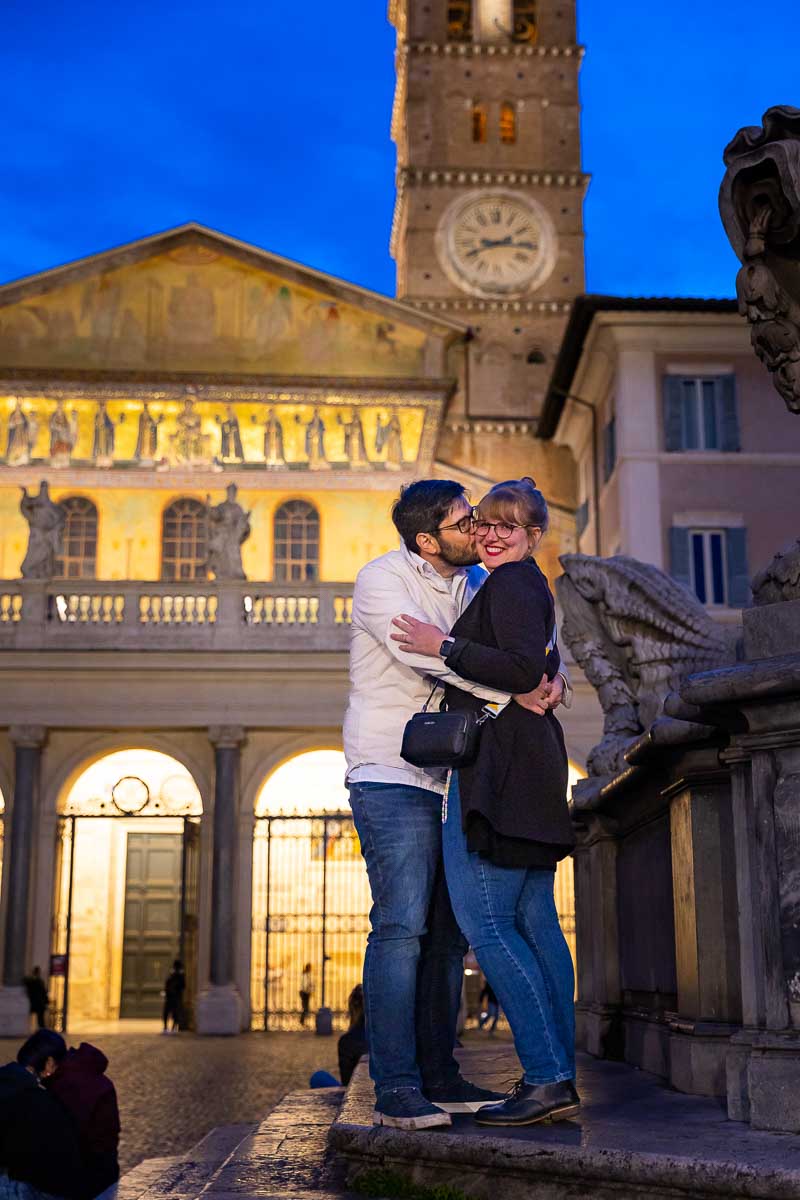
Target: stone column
x,y
14,1010
598,1011
219,1006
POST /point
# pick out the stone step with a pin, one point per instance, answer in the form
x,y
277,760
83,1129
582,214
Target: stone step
x,y
634,1138
285,1156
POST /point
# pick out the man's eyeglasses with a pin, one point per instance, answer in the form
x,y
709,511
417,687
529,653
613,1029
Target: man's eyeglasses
x,y
464,525
502,529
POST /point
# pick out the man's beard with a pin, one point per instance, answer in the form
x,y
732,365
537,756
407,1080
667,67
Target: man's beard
x,y
458,556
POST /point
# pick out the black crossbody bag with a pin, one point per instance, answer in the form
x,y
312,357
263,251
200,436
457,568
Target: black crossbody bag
x,y
441,738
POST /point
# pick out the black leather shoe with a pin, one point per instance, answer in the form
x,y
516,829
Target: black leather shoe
x,y
530,1103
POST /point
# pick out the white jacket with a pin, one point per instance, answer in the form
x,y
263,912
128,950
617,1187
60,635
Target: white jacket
x,y
388,685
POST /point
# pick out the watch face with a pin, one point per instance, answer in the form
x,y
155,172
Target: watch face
x,y
493,243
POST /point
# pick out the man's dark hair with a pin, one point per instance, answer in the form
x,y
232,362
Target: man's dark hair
x,y
177,965
422,507
40,1046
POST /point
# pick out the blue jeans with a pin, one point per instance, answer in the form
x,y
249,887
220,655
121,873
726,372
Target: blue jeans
x,y
509,916
413,969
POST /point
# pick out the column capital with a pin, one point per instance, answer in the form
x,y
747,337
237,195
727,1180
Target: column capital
x,y
28,736
227,737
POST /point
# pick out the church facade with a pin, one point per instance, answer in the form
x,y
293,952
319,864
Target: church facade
x,y
221,433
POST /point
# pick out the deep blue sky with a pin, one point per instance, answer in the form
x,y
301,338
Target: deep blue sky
x,y
270,122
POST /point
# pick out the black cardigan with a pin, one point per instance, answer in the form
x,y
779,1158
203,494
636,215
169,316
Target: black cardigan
x,y
514,795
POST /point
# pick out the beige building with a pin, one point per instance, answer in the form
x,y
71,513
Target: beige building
x,y
682,457
222,432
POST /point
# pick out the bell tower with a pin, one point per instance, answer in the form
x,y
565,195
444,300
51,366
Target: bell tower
x,y
488,223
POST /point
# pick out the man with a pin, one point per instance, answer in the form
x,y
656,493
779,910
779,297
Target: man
x,y
38,999
414,963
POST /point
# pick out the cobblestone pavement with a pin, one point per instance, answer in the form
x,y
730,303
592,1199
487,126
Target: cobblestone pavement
x,y
173,1090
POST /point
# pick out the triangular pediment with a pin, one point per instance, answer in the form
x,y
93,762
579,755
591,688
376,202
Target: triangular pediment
x,y
193,300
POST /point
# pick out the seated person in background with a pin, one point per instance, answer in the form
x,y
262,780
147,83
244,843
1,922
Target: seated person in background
x,y
80,1084
39,1152
353,1044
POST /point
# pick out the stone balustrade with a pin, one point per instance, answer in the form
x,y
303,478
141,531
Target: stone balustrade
x,y
96,615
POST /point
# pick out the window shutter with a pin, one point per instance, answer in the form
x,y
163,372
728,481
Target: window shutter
x,y
673,408
729,417
679,555
738,574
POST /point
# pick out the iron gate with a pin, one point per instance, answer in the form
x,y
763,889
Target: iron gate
x,y
311,903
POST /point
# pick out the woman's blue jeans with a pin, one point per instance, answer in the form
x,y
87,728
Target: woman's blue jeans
x,y
509,917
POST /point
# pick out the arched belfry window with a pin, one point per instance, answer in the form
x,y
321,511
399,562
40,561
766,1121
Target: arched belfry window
x,y
78,558
508,124
525,27
296,542
478,122
184,540
459,20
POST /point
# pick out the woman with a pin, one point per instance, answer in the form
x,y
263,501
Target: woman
x,y
506,818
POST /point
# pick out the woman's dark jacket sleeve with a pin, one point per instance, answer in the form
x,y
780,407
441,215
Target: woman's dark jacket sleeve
x,y
517,612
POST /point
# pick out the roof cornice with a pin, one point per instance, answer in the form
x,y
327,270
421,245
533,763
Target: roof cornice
x,y
492,50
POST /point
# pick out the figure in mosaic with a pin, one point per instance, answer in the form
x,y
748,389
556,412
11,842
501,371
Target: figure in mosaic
x,y
22,430
63,435
273,441
45,528
231,438
228,528
315,443
354,446
390,435
103,444
189,441
147,437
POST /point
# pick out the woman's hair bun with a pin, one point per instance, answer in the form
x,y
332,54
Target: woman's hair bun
x,y
527,479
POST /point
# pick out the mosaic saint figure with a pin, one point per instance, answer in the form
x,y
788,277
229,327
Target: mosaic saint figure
x,y
315,443
273,441
231,438
103,444
45,528
354,445
189,441
191,312
147,437
22,430
228,528
63,435
390,435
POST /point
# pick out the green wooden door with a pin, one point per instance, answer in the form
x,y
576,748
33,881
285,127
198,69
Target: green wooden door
x,y
151,940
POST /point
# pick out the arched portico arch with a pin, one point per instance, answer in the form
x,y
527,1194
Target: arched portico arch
x,y
311,895
126,885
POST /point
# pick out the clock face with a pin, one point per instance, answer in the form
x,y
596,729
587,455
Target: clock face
x,y
496,243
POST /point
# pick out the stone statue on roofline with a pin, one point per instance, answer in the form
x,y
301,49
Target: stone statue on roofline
x,y
228,529
45,530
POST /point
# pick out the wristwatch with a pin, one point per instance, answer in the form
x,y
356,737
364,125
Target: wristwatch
x,y
446,646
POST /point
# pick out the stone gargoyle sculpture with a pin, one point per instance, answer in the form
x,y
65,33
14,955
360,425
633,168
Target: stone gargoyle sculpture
x,y
781,579
759,203
637,634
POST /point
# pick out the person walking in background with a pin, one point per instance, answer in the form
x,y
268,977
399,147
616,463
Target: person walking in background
x,y
490,1009
80,1084
306,992
413,971
37,995
353,1044
506,819
40,1156
174,987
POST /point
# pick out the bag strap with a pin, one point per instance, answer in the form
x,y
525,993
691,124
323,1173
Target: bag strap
x,y
430,697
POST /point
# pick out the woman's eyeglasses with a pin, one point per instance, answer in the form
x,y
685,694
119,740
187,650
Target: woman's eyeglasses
x,y
502,529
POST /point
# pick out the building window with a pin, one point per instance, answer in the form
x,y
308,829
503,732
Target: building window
x,y
296,543
78,558
525,29
700,413
609,448
712,563
508,124
479,122
459,21
184,540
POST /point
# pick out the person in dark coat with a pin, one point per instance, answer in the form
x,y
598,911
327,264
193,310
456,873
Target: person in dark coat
x,y
39,1147
37,995
353,1044
174,987
506,819
81,1085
